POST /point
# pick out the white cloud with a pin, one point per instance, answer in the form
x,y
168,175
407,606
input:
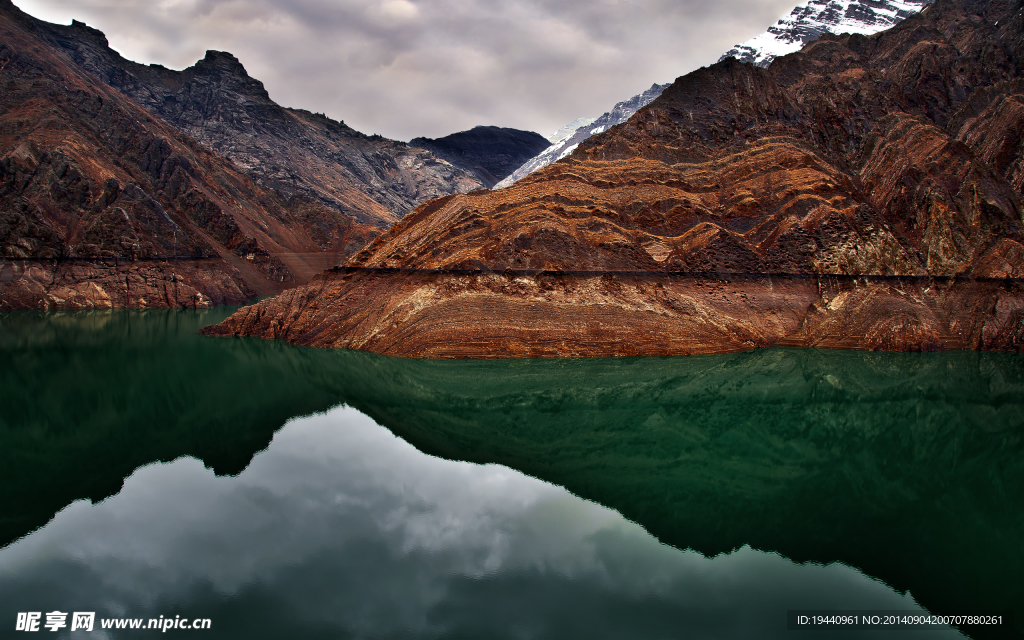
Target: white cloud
x,y
399,10
405,68
341,526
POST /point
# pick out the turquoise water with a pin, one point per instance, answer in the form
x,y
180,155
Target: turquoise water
x,y
287,492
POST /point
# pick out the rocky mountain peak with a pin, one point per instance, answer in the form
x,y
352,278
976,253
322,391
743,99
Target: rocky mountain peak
x,y
221,62
86,31
225,70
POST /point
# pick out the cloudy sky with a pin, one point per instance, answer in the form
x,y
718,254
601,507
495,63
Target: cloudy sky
x,y
403,68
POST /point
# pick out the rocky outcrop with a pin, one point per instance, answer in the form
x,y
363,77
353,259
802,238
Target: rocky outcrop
x,y
102,204
490,153
513,315
97,284
368,179
862,193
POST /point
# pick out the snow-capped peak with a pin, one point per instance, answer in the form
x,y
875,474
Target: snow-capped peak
x,y
811,19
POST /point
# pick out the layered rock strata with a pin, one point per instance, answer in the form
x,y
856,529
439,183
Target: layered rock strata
x,y
807,22
366,178
862,193
103,204
575,315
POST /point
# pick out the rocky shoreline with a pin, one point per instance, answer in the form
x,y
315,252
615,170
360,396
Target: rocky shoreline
x,y
108,284
436,315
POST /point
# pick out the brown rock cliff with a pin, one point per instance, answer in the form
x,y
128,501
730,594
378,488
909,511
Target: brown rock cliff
x,y
862,193
102,204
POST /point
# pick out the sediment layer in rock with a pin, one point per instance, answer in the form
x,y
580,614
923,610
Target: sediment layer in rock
x,y
893,155
79,285
569,315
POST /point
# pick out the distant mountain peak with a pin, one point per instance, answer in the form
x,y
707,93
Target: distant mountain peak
x,y
810,19
489,152
568,129
222,59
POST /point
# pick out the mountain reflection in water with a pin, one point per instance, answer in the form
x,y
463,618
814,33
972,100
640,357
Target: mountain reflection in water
x,y
906,466
340,529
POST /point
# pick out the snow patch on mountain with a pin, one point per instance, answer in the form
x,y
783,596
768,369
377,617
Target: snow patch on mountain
x,y
568,151
811,19
567,144
569,129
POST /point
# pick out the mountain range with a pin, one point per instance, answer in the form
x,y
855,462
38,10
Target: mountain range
x,y
370,179
130,185
865,192
807,22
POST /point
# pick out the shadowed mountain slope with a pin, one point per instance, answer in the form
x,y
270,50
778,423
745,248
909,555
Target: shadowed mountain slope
x,y
103,204
491,153
868,188
369,179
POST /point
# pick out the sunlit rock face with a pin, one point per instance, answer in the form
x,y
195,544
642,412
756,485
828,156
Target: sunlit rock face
x,y
862,193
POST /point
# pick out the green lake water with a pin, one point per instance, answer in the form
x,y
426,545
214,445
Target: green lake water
x,y
285,492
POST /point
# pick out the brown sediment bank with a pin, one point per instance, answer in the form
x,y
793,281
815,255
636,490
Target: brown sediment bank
x,y
512,315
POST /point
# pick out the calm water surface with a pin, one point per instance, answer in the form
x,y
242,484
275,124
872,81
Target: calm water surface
x,y
286,492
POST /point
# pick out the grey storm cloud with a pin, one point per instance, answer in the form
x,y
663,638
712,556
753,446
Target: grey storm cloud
x,y
405,68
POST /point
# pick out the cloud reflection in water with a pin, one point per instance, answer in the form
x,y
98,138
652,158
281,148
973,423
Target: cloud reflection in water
x,y
341,529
